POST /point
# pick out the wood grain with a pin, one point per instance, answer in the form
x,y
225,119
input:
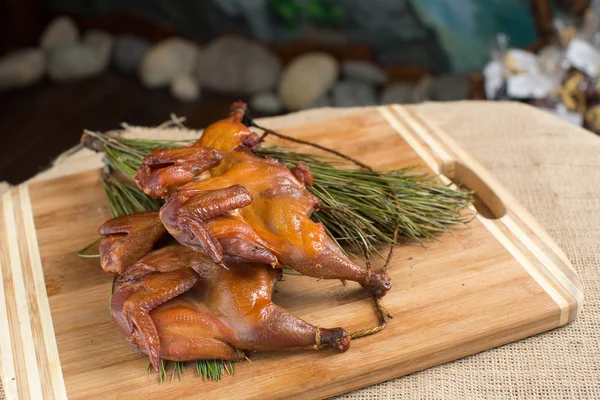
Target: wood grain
x,y
490,282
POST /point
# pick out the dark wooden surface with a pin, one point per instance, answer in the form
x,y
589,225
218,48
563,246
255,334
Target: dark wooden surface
x,y
40,122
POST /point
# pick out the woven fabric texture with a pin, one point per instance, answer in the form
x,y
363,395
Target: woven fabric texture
x,y
553,169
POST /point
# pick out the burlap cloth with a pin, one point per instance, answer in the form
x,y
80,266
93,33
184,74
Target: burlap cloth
x,y
553,169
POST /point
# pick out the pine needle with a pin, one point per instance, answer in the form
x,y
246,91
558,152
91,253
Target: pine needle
x,y
81,252
125,199
209,370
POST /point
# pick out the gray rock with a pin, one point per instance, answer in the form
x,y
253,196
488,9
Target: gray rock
x,y
364,71
167,60
450,87
60,31
266,102
185,88
22,68
128,52
238,65
398,93
307,78
423,89
101,42
73,62
353,94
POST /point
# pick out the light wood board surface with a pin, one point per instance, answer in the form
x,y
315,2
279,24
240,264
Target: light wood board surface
x,y
498,279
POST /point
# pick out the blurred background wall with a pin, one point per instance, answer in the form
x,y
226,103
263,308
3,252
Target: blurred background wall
x,y
69,65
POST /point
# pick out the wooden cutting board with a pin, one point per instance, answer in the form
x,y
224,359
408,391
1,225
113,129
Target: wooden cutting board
x,y
498,279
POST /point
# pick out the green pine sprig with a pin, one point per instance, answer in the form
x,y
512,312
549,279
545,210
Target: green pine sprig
x,y
208,370
359,209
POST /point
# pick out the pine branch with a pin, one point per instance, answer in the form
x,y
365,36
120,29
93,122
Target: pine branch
x,y
358,207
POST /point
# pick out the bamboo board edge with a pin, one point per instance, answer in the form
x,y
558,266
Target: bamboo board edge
x,y
553,271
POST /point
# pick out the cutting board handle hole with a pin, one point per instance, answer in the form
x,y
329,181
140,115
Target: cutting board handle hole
x,y
485,201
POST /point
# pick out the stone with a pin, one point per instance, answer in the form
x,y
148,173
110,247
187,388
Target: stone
x,y
59,32
185,88
307,78
266,102
73,62
22,68
398,93
128,52
423,90
450,87
167,60
101,42
238,66
349,93
364,71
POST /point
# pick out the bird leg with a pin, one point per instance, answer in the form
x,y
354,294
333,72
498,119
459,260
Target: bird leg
x,y
132,302
330,262
185,218
279,329
239,241
241,296
127,239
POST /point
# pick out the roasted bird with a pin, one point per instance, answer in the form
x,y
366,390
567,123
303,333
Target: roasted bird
x,y
223,200
175,303
237,218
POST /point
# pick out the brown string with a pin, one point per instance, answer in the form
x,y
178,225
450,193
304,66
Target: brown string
x,y
315,145
384,315
391,252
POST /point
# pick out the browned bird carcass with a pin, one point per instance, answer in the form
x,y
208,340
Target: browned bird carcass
x,y
175,303
223,200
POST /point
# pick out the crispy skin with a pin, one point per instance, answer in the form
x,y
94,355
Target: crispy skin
x,y
127,239
177,304
164,170
248,208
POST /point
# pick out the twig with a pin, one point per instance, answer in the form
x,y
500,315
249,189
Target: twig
x,y
268,131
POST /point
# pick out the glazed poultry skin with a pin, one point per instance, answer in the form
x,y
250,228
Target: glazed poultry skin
x,y
224,200
238,219
177,304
